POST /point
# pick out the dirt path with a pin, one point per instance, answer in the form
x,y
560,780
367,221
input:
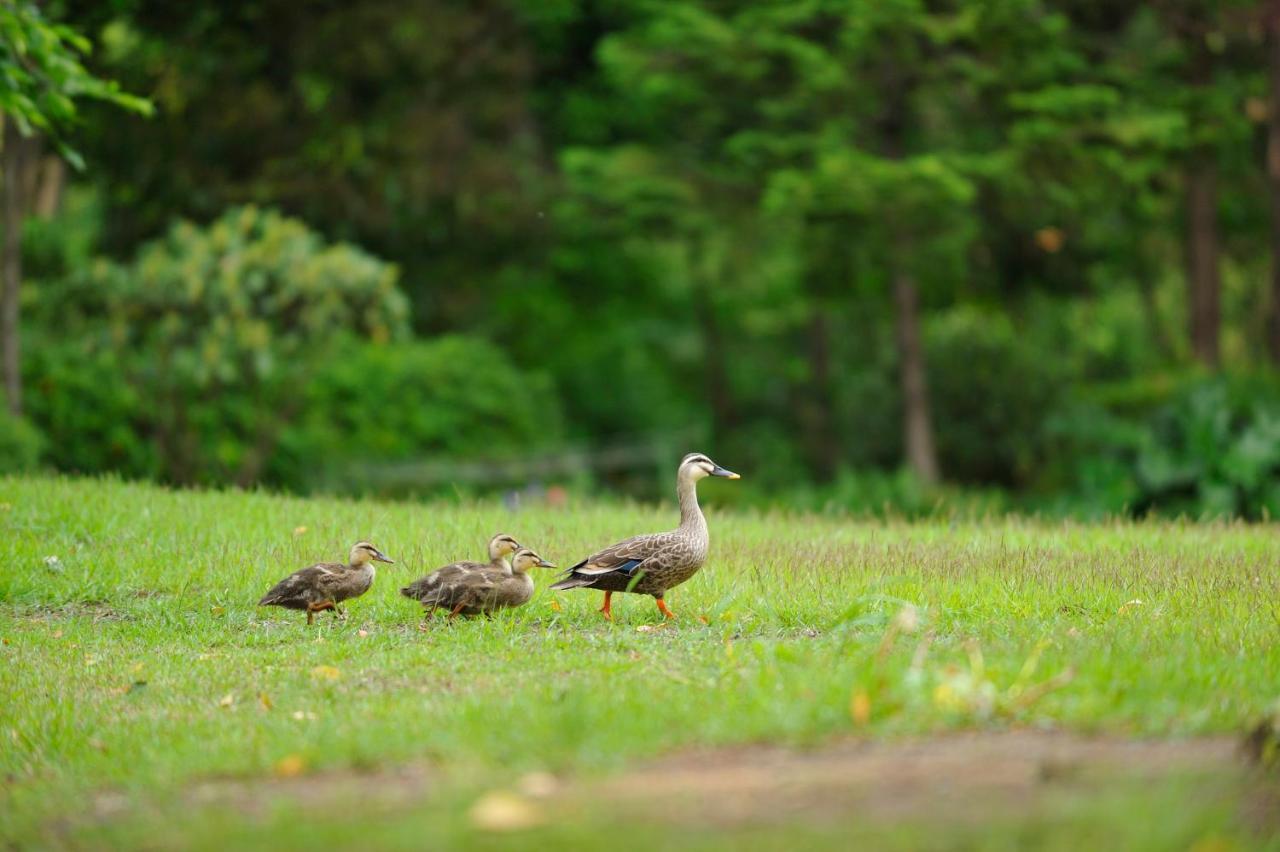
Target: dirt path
x,y
959,777
950,775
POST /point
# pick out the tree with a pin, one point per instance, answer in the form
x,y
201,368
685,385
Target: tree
x,y
1273,173
41,77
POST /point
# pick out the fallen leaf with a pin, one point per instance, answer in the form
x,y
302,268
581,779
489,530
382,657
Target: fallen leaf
x,y
290,766
265,701
362,633
227,700
704,619
860,707
907,619
554,604
299,530
1128,606
217,610
325,673
539,785
57,634
503,811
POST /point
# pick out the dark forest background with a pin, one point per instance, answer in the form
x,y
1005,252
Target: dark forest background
x,y
880,255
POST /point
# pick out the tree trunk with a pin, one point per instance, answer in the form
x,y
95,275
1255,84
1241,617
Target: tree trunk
x,y
917,421
716,373
52,179
1160,336
11,263
820,441
922,456
1205,286
1273,179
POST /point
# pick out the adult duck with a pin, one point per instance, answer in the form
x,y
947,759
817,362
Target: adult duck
x,y
652,564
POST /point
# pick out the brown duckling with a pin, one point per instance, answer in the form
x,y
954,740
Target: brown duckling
x,y
471,589
326,584
501,546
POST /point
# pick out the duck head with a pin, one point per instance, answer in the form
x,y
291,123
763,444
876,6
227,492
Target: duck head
x,y
695,466
501,546
363,552
526,559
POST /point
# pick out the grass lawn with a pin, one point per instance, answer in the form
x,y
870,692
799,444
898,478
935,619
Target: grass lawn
x,y
146,702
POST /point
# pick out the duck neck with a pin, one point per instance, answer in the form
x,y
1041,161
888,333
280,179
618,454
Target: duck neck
x,y
502,563
691,517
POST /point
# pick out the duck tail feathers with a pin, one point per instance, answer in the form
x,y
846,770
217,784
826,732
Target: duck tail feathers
x,y
573,581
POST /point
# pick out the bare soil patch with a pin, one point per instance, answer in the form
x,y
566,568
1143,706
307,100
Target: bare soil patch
x,y
948,776
955,777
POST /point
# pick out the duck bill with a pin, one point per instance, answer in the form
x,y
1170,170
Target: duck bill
x,y
382,557
542,563
727,474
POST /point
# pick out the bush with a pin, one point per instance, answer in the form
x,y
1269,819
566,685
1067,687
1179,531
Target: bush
x,y
20,444
992,393
1212,449
203,341
455,397
94,418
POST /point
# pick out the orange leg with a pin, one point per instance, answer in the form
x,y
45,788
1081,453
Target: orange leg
x,y
662,608
457,609
312,609
607,608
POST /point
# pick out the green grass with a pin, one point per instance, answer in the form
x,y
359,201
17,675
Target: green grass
x,y
135,663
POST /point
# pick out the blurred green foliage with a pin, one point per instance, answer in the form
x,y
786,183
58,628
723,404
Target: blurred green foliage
x,y
454,397
653,223
44,73
193,361
20,444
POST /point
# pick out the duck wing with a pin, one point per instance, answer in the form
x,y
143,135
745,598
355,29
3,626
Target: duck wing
x,y
624,559
474,588
302,585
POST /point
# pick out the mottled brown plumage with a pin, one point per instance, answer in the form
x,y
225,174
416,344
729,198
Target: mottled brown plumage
x,y
501,546
326,584
470,588
652,564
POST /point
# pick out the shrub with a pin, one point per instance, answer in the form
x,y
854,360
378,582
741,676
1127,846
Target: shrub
x,y
205,337
1215,451
991,392
455,397
94,418
20,444
1211,449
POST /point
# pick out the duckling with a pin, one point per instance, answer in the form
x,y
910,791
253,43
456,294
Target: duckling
x,y
467,588
652,564
326,584
501,546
